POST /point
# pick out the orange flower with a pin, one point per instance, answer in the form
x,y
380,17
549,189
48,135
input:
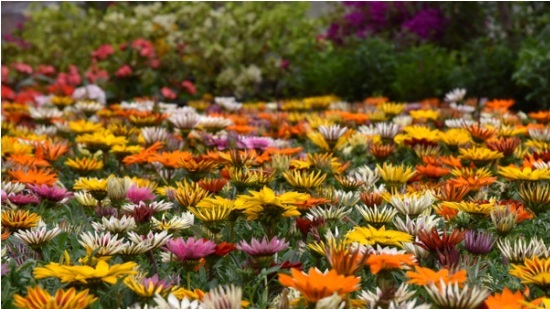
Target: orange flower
x,y
480,133
506,146
371,198
311,202
51,152
212,185
432,171
425,276
379,262
34,176
27,160
170,159
451,161
446,212
315,285
505,300
450,192
541,116
143,156
381,152
357,118
241,129
344,261
500,106
375,100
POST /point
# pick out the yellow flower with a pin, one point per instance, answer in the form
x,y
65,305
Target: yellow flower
x,y
392,108
471,207
83,126
395,174
456,137
181,293
509,131
304,180
86,274
266,204
101,140
188,194
148,287
318,139
11,145
428,114
533,271
19,219
37,298
478,154
213,209
125,150
527,173
371,236
61,101
96,187
418,133
84,164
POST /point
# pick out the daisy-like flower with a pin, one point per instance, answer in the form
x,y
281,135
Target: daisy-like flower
x,y
157,206
535,196
540,134
189,250
83,126
176,223
395,174
44,115
332,133
214,124
424,276
377,216
453,296
412,204
455,95
85,199
63,299
101,140
148,287
84,164
144,243
413,226
266,205
263,248
86,274
21,199
480,156
434,240
304,180
345,261
184,120
525,174
154,134
38,235
371,236
334,214
478,243
383,259
51,193
316,285
344,199
115,225
104,244
400,296
12,187
211,210
227,297
172,302
517,250
367,175
96,187
505,300
87,107
189,194
472,207
33,176
139,194
19,219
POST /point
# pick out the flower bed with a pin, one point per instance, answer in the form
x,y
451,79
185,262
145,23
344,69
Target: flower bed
x,y
296,203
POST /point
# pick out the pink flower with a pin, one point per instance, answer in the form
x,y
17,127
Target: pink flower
x,y
284,64
191,249
124,71
95,75
145,48
45,70
5,74
103,52
263,248
21,199
72,78
189,87
168,93
154,63
156,283
136,194
22,68
53,193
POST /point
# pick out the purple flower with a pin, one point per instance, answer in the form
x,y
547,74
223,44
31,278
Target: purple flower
x,y
162,284
263,248
426,24
136,194
480,243
21,199
53,193
218,142
191,249
254,142
5,269
356,19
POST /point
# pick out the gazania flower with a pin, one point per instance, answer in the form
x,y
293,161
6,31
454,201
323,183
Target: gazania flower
x,y
456,137
139,194
315,285
432,171
413,226
26,160
424,276
38,298
101,140
224,296
525,174
478,243
472,207
506,146
472,179
480,133
148,287
505,300
188,194
115,225
453,296
19,219
83,126
388,259
535,196
450,192
412,204
188,250
395,175
263,248
212,185
51,193
267,205
176,223
150,240
34,176
371,236
38,235
433,240
84,164
344,261
51,151
86,274
380,151
244,178
304,180
480,155
211,210
517,250
104,244
97,187
533,271
21,199
377,216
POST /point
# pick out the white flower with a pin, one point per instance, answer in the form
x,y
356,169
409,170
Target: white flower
x,y
366,174
172,302
85,199
90,92
107,244
154,240
517,250
403,120
541,134
214,122
50,131
228,103
333,301
44,113
415,225
419,252
345,199
154,134
12,187
115,225
184,120
37,235
455,95
376,214
86,107
463,108
156,206
330,213
176,223
332,133
412,204
458,123
223,297
452,296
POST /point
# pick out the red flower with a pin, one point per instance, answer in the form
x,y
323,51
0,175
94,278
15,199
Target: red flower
x,y
60,89
103,52
45,70
222,249
168,93
145,48
7,93
154,63
124,71
5,73
189,87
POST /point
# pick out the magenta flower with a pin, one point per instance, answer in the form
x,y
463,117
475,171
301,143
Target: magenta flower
x,y
263,248
478,243
254,142
191,249
124,71
162,284
21,199
53,193
136,194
